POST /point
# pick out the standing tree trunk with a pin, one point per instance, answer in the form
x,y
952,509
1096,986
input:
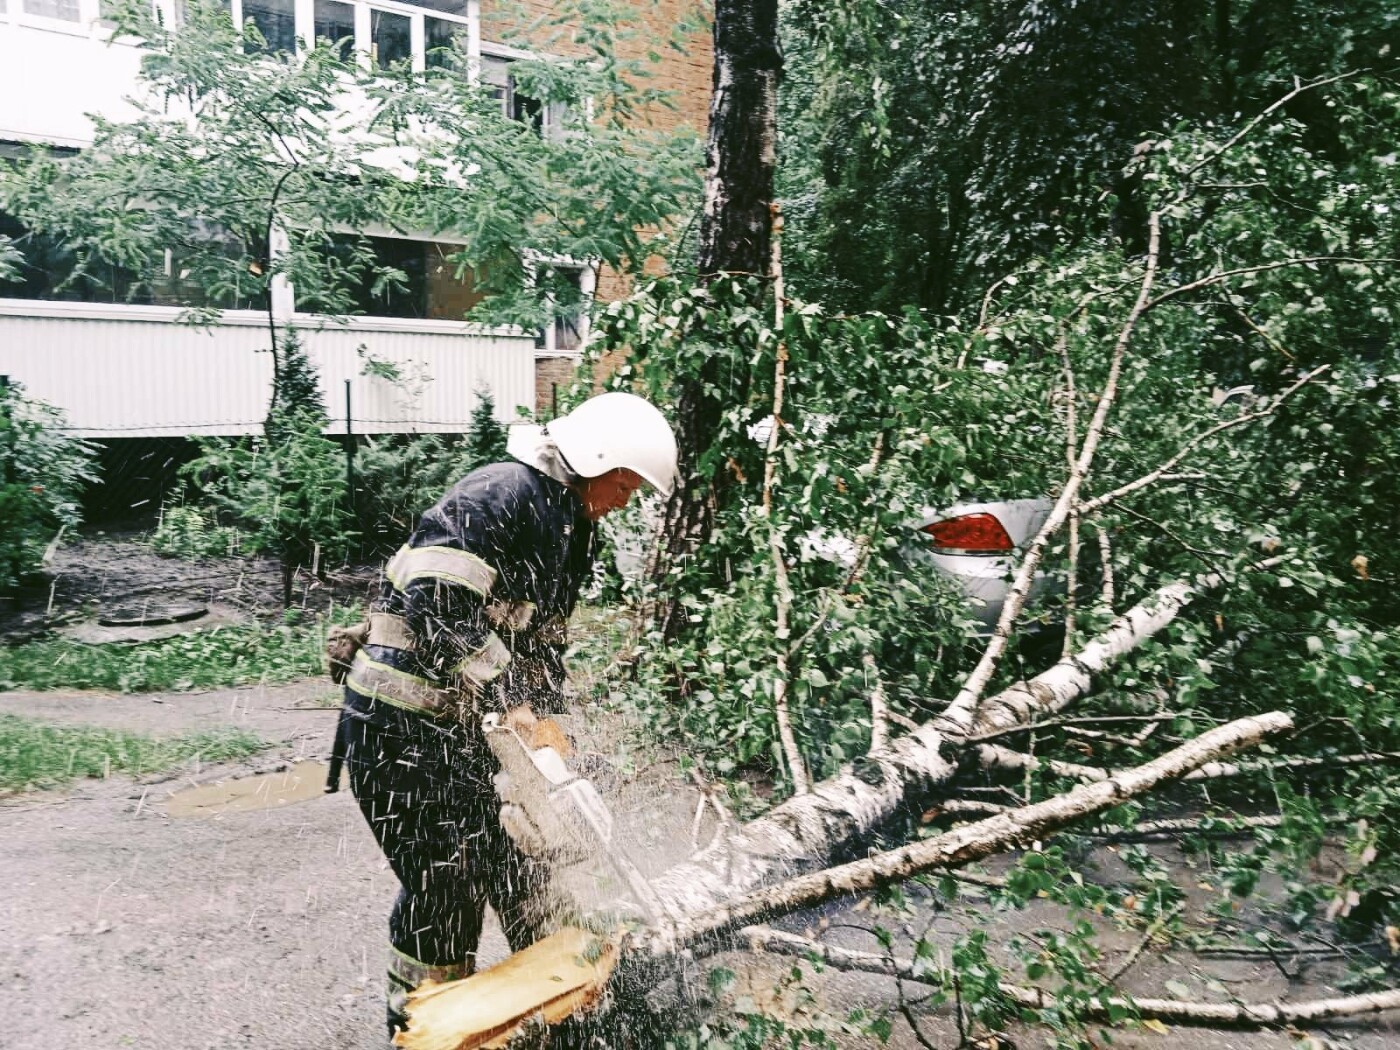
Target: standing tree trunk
x,y
735,228
734,238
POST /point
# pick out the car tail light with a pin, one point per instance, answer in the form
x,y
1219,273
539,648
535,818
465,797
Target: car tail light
x,y
973,533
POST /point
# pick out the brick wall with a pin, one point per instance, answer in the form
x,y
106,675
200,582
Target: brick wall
x,y
549,372
687,75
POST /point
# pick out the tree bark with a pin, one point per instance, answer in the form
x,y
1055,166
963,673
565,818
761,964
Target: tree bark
x,y
1254,1015
469,1013
734,238
805,832
961,846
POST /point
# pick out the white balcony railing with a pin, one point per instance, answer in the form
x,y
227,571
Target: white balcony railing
x,y
136,371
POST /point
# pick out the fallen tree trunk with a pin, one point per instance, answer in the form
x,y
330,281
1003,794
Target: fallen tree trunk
x,y
1256,1015
958,847
804,832
454,1006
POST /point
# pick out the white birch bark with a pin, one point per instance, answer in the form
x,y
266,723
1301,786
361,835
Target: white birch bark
x,y
803,833
958,847
1175,1011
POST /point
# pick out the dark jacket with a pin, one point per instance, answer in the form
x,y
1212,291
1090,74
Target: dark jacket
x,y
485,586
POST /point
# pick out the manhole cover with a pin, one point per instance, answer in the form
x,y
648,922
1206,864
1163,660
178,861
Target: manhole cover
x,y
149,614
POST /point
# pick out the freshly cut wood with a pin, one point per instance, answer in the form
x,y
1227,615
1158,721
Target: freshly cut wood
x,y
958,847
552,979
761,938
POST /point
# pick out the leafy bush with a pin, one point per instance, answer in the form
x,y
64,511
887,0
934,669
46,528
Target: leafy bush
x,y
188,532
42,472
286,497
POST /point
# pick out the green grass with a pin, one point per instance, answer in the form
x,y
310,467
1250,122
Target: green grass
x,y
35,754
202,659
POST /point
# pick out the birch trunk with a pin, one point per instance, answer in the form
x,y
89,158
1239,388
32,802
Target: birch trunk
x,y
806,831
460,1023
959,847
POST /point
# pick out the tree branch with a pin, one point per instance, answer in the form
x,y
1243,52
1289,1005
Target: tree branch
x,y
879,707
1225,275
1274,107
1255,1015
960,713
782,592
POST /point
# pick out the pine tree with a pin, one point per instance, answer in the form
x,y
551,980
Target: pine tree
x,y
486,438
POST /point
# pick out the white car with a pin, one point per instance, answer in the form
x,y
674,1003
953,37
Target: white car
x,y
974,545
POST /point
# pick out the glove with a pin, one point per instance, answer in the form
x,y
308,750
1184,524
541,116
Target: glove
x,y
546,810
342,643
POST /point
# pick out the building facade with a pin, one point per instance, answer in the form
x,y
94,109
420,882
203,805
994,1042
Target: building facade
x,y
78,345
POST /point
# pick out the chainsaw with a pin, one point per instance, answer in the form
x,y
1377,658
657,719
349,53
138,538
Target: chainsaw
x,y
552,813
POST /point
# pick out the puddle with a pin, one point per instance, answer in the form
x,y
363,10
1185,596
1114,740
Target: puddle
x,y
298,783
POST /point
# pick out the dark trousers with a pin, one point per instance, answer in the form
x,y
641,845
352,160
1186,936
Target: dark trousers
x,y
424,785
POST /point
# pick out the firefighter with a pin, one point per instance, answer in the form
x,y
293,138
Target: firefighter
x,y
471,620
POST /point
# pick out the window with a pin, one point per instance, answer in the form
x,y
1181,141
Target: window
x,y
335,22
276,21
564,291
63,10
431,33
50,271
431,289
391,38
443,43
497,77
449,297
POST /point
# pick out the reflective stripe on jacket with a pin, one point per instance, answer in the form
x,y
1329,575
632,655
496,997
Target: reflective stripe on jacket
x,y
482,588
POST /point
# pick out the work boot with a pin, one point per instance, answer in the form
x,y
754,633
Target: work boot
x,y
407,973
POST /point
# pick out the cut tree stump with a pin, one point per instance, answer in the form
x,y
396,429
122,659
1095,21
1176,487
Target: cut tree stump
x,y
564,974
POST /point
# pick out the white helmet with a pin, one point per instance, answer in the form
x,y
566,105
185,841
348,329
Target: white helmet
x,y
618,430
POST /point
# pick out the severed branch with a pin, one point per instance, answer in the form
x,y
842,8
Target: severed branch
x,y
1216,770
961,713
1071,445
1133,955
955,848
995,758
1106,557
1256,1015
879,706
1085,720
782,594
1225,827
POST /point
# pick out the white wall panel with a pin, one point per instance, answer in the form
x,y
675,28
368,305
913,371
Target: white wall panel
x,y
52,74
136,372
